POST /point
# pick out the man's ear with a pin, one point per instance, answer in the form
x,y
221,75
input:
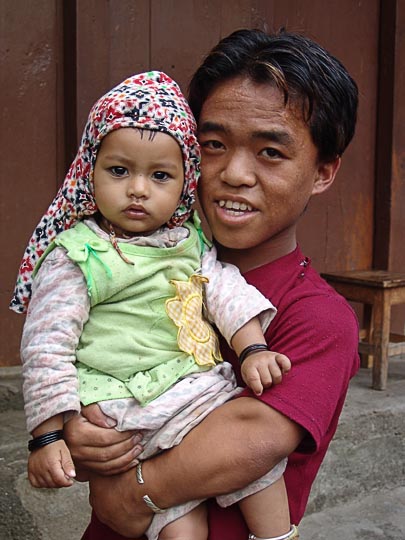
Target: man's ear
x,y
326,175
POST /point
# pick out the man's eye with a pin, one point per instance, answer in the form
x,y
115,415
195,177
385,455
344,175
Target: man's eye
x,y
212,144
271,153
160,175
118,171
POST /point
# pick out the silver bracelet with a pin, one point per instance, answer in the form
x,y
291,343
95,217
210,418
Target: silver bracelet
x,y
291,535
148,501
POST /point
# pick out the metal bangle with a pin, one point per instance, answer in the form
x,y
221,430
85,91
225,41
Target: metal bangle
x,y
45,439
251,349
148,501
291,535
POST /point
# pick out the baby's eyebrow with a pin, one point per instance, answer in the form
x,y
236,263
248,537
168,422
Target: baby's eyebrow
x,y
117,157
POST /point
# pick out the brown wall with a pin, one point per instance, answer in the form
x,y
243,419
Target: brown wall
x,y
395,258
31,142
58,57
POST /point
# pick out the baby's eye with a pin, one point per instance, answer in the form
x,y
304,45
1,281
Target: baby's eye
x,y
161,176
118,171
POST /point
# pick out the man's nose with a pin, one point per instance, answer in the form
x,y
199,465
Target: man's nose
x,y
239,169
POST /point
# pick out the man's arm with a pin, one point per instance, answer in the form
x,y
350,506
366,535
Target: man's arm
x,y
234,445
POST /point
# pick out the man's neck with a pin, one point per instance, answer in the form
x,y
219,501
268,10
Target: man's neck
x,y
248,259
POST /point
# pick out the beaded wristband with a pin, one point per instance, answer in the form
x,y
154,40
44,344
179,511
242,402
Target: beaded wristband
x,y
251,349
46,438
148,501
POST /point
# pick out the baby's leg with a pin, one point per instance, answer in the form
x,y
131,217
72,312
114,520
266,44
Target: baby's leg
x,y
266,512
191,526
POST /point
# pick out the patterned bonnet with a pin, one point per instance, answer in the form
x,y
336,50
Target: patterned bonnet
x,y
149,100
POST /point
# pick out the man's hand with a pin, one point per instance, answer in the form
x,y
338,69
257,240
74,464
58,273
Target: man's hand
x,y
101,450
130,517
255,436
262,369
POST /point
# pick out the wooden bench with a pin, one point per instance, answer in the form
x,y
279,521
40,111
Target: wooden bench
x,y
378,290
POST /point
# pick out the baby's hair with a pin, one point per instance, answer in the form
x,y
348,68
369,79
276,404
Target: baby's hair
x,y
151,133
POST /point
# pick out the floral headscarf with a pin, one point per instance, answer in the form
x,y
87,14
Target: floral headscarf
x,y
149,100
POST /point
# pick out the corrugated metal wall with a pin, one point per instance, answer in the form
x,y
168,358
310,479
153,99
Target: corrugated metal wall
x,y
57,57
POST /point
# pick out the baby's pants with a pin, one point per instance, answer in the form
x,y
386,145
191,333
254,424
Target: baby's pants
x,y
167,419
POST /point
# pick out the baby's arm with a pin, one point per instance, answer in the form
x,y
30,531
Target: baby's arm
x,y
261,368
58,310
241,313
230,301
50,466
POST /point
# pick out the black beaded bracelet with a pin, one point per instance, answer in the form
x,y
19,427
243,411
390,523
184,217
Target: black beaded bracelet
x,y
46,438
251,349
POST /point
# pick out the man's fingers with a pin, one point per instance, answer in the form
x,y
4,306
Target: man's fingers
x,y
82,436
106,464
95,416
103,451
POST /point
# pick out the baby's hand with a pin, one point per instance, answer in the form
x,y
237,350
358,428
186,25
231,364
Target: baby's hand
x,y
262,369
51,466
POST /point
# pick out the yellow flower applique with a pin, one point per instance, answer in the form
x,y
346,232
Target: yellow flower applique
x,y
195,335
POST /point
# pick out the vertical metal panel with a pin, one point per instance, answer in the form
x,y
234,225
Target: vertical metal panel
x,y
69,81
30,140
384,134
350,31
336,228
397,252
105,41
182,31
396,261
113,42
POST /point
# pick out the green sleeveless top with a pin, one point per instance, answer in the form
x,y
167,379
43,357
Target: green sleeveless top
x,y
143,360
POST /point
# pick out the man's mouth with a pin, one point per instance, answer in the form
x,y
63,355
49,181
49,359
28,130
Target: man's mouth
x,y
235,205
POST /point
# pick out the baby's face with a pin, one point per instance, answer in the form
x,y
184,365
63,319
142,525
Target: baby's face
x,y
138,179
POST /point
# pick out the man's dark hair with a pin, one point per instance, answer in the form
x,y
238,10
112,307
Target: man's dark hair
x,y
305,73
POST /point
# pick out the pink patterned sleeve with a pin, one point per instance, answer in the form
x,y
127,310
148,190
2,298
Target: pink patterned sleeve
x,y
58,310
231,302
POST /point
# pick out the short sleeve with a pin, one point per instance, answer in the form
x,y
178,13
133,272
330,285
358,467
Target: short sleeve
x,y
320,336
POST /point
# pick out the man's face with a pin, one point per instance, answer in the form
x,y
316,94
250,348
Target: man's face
x,y
259,170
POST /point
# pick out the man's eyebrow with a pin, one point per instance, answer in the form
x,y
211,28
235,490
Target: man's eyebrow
x,y
279,136
274,135
206,127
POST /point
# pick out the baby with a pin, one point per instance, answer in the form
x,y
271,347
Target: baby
x,y
120,281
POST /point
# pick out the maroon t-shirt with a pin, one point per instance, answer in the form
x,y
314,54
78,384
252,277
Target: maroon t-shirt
x,y
318,331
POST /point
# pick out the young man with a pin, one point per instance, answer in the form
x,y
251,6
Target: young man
x,y
275,114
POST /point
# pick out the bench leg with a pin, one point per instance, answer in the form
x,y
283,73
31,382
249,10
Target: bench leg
x,y
367,359
381,325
